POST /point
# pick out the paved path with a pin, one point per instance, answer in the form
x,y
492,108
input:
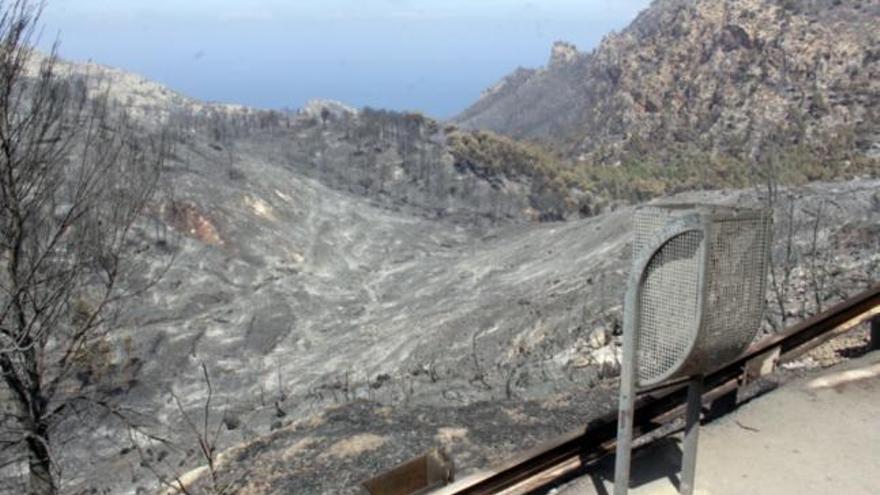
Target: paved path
x,y
817,435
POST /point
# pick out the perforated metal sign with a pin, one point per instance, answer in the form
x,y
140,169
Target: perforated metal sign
x,y
697,289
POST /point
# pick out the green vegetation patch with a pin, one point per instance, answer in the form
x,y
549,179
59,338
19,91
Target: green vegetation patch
x,y
587,186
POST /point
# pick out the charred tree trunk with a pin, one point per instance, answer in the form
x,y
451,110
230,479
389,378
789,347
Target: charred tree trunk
x,y
31,410
76,175
41,480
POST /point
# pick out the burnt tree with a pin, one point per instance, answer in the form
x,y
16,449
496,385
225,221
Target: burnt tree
x,y
75,178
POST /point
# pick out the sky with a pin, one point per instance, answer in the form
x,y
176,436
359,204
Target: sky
x,y
433,56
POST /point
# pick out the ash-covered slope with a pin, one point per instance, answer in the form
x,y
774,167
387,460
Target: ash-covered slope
x,y
281,277
715,76
298,297
401,333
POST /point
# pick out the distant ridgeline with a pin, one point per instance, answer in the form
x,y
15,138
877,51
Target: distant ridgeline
x,y
412,162
693,94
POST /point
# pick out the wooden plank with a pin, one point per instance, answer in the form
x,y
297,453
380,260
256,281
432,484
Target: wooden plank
x,y
762,365
419,475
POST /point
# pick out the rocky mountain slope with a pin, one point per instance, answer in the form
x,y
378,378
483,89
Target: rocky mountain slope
x,y
705,77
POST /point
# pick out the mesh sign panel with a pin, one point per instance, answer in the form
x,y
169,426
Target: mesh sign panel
x,y
668,306
701,289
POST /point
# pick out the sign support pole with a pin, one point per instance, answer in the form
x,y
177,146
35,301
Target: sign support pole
x,y
691,435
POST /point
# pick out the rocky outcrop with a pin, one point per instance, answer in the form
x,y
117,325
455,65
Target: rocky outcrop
x,y
327,109
562,53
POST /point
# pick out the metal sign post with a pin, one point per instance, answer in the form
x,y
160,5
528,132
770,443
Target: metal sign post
x,y
691,436
694,300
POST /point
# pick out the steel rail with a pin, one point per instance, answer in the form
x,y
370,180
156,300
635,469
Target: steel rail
x,y
577,449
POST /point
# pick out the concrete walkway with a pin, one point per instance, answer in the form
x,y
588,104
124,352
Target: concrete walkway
x,y
817,435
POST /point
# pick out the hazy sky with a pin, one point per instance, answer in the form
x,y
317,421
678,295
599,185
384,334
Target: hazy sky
x,y
434,56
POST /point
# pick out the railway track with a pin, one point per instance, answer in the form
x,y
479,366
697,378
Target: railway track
x,y
656,408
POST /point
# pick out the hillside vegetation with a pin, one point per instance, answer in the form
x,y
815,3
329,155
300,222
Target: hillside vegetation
x,y
588,187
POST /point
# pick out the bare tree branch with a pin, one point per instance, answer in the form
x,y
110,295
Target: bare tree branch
x,y
76,176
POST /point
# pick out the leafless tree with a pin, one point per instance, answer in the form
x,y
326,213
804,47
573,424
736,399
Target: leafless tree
x,y
202,428
480,374
206,436
800,281
75,177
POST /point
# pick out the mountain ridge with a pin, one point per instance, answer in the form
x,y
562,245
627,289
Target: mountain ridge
x,y
715,76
